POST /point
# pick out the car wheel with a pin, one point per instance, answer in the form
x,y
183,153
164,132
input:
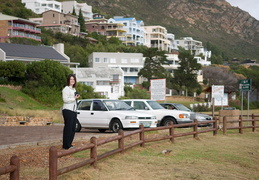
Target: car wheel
x,y
78,126
102,130
115,125
168,120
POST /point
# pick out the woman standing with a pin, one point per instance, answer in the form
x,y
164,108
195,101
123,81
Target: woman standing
x,y
69,96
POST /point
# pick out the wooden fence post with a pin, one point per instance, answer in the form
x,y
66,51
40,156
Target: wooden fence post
x,y
195,128
93,153
141,135
215,126
121,140
253,122
224,125
53,163
240,125
171,131
16,162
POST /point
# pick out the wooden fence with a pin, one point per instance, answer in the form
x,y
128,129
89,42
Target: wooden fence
x,y
13,168
241,125
54,154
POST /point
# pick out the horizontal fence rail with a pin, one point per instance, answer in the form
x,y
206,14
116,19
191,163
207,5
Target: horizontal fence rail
x,y
13,168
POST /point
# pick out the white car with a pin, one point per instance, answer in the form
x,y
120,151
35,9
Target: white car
x,y
106,114
164,116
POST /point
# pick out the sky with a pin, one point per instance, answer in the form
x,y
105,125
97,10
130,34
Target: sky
x,y
250,6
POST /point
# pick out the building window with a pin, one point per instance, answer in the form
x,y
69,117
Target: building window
x,y
103,83
124,69
112,60
124,61
88,83
53,15
135,60
115,77
133,69
97,60
105,60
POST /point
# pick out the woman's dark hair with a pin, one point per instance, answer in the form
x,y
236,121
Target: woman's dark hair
x,y
68,79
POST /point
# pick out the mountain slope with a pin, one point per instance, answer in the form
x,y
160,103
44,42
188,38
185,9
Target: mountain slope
x,y
233,30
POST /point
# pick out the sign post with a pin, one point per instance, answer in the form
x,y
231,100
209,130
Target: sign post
x,y
245,85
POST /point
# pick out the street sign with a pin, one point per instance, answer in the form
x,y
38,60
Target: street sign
x,y
245,84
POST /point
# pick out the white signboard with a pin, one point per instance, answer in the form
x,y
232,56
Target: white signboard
x,y
221,102
217,92
158,89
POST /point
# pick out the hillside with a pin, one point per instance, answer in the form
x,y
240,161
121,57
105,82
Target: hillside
x,y
231,29
13,98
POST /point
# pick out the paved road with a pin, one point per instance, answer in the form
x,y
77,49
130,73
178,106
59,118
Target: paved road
x,y
12,136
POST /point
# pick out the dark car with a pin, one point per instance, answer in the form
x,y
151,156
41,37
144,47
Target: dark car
x,y
193,115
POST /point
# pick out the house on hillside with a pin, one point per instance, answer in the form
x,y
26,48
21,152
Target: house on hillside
x,y
102,27
11,26
67,7
29,53
135,34
106,81
40,6
60,22
130,63
156,37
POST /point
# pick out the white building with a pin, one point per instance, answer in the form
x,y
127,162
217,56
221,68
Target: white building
x,y
188,43
67,7
134,30
156,37
172,42
196,47
40,6
106,81
130,63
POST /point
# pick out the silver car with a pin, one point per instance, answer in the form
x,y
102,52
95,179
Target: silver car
x,y
193,115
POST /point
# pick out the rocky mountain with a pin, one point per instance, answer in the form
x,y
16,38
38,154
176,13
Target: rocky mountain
x,y
231,29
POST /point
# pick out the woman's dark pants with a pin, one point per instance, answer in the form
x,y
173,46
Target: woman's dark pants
x,y
69,128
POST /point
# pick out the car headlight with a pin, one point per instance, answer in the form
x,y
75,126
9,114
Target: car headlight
x,y
153,117
183,116
131,117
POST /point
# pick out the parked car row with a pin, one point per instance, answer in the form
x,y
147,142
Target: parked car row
x,y
106,114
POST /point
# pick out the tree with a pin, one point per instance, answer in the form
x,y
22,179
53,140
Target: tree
x,y
13,71
186,74
221,75
45,80
74,11
81,21
136,93
153,68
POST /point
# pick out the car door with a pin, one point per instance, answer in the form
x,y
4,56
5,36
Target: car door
x,y
99,115
84,113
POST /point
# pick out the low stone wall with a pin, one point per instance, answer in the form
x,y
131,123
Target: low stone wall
x,y
24,121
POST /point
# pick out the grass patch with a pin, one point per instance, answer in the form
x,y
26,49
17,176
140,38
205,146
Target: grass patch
x,y
233,156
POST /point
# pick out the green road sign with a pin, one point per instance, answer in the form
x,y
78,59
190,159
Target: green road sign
x,y
245,84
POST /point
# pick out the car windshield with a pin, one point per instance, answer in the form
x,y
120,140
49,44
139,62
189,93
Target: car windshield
x,y
155,105
182,107
117,105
